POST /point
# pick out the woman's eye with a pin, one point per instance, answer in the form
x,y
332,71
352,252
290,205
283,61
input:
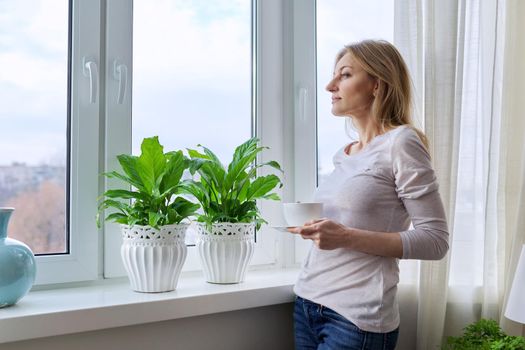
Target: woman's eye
x,y
346,75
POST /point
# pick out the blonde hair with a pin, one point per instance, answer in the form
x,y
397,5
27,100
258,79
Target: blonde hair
x,y
392,106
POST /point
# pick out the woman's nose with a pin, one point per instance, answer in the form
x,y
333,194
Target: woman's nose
x,y
331,86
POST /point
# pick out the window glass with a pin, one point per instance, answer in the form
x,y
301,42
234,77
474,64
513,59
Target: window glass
x,y
340,22
192,74
33,119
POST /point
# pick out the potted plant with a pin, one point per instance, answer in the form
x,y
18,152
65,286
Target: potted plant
x,y
151,215
485,335
226,227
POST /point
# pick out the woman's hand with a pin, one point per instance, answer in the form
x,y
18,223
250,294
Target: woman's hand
x,y
328,235
325,233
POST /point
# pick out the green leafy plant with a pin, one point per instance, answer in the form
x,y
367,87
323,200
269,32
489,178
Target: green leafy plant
x,y
485,335
155,180
230,194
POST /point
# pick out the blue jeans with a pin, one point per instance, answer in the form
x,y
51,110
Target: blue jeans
x,y
318,327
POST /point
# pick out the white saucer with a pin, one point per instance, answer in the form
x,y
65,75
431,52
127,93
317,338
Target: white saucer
x,y
282,228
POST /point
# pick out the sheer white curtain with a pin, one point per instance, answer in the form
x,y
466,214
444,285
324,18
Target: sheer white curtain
x,y
468,70
511,93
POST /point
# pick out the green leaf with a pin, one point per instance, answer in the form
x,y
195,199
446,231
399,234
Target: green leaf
x,y
214,172
173,217
180,209
117,217
116,175
240,164
151,164
194,154
129,165
262,185
272,196
241,186
110,203
273,164
209,168
211,156
242,151
245,208
197,190
175,167
125,194
259,222
154,219
195,164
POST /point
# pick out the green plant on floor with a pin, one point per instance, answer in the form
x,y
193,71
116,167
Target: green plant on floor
x,y
152,182
485,335
229,194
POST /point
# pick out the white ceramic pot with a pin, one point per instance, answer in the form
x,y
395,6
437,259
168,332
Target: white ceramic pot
x,y
226,251
153,258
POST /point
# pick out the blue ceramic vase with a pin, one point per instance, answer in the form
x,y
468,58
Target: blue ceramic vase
x,y
17,264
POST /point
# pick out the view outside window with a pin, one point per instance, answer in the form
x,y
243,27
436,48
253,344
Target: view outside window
x,y
33,121
340,22
192,74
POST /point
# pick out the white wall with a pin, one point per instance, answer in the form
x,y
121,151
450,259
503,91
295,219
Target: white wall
x,y
259,328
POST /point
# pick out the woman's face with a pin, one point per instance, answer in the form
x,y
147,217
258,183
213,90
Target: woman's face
x,y
352,88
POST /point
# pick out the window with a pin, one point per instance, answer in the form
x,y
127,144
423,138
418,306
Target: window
x,y
34,118
49,140
105,75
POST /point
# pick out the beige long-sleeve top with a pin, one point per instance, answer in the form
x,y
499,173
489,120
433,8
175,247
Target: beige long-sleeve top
x,y
386,186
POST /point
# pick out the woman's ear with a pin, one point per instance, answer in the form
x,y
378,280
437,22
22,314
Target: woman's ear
x,y
376,88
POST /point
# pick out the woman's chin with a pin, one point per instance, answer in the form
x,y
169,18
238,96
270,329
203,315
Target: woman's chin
x,y
337,113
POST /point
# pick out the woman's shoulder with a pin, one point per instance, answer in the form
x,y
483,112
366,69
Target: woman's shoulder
x,y
406,136
406,143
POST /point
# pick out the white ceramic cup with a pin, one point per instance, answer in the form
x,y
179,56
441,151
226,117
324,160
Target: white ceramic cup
x,y
297,214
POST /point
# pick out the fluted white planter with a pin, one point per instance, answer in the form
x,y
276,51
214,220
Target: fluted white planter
x,y
153,258
226,251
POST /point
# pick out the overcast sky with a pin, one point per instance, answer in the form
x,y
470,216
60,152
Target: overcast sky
x,y
33,80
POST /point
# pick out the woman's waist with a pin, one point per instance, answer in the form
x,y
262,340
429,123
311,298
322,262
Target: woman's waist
x,y
349,268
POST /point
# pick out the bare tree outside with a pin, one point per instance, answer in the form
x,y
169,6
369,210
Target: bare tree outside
x,y
39,218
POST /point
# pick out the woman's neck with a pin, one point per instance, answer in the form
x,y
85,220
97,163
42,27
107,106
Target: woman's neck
x,y
366,129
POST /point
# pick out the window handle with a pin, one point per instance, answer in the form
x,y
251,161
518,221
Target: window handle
x,y
120,73
303,100
90,70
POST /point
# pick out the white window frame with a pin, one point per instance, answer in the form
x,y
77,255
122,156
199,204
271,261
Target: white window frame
x,y
117,132
82,261
269,112
303,85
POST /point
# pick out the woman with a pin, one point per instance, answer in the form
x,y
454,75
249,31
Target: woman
x,y
346,292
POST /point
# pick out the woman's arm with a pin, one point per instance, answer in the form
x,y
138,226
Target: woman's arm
x,y
416,185
327,234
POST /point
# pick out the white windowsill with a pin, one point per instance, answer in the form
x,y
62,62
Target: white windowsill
x,y
113,304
